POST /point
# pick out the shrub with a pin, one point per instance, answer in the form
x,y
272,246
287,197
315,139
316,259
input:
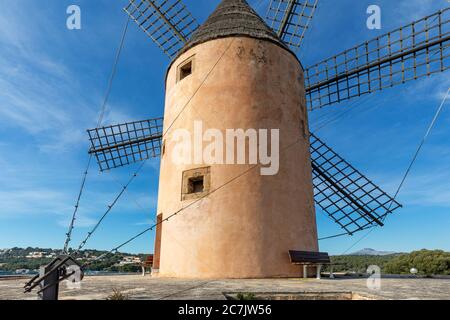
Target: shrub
x,y
246,296
117,295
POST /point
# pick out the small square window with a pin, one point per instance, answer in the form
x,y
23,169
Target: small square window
x,y
185,69
196,183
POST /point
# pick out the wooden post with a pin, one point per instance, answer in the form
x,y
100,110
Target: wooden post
x,y
50,284
305,271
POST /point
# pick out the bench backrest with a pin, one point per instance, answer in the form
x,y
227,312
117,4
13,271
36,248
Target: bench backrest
x,y
149,261
307,257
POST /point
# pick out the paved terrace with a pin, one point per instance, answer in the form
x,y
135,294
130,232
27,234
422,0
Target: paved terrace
x,y
138,287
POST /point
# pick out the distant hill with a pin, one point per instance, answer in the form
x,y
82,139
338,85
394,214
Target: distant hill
x,y
372,252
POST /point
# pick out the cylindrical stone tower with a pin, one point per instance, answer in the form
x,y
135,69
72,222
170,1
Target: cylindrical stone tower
x,y
235,73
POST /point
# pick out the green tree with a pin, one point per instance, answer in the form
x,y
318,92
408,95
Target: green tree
x,y
427,262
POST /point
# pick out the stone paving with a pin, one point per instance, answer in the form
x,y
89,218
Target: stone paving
x,y
138,287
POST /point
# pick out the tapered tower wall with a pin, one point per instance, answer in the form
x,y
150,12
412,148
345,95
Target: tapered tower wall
x,y
244,229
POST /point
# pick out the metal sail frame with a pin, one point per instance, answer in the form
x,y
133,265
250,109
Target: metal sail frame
x,y
123,144
167,22
348,197
345,194
290,19
408,53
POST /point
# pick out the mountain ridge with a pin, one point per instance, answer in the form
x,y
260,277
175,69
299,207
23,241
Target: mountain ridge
x,y
372,252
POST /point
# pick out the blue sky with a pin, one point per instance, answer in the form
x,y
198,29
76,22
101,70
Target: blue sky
x,y
52,82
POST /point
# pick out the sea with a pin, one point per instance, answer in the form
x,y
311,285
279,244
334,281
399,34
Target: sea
x,y
12,273
88,273
7,273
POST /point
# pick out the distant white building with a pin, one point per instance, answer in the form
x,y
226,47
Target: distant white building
x,y
22,271
35,255
130,260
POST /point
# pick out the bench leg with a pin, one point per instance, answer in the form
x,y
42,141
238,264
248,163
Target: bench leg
x,y
305,271
319,269
143,271
331,273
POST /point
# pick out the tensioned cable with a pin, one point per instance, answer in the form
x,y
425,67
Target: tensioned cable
x,y
170,126
408,171
427,134
202,83
170,237
116,249
198,88
110,207
325,122
99,122
179,114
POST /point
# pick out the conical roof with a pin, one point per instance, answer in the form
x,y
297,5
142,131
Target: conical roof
x,y
233,18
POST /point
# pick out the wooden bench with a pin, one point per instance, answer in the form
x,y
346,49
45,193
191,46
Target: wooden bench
x,y
309,258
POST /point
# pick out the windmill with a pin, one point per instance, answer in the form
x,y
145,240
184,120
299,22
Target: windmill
x,y
238,70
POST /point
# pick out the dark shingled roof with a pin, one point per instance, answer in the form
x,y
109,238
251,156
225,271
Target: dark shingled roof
x,y
233,18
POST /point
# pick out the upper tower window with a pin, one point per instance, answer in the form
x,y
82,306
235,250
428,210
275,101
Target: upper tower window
x,y
185,69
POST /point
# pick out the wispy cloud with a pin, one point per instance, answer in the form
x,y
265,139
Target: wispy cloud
x,y
411,10
428,188
35,87
18,202
148,222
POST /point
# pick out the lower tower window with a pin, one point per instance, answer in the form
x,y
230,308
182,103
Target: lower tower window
x,y
196,183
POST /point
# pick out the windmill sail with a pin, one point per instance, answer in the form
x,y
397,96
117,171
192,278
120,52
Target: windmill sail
x,y
167,22
123,144
290,19
349,198
341,191
408,53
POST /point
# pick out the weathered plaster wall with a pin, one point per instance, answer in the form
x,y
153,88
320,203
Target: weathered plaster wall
x,y
245,229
